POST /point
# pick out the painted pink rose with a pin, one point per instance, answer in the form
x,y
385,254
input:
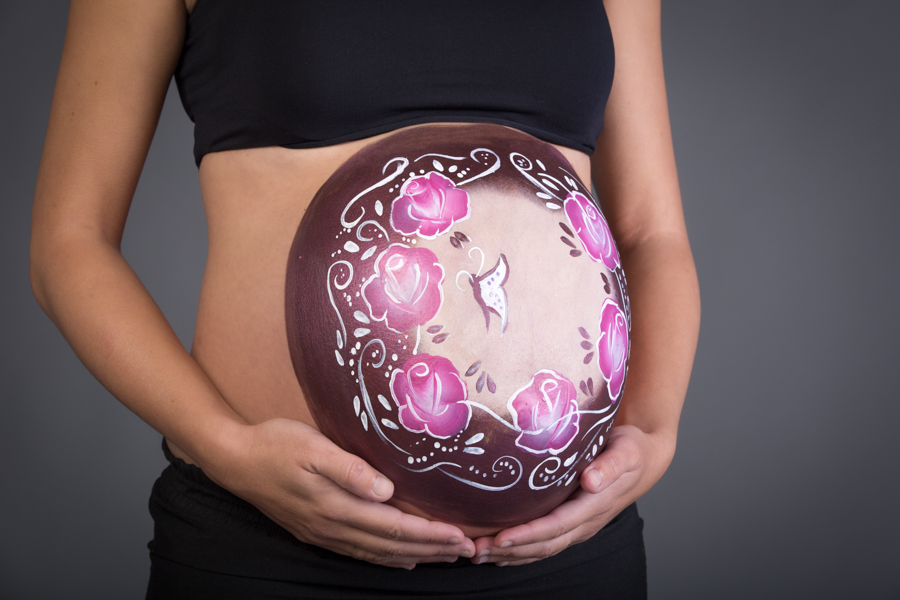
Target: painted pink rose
x,y
612,347
428,206
546,412
405,290
592,230
431,396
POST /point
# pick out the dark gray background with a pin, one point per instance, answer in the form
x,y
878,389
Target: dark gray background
x,y
785,484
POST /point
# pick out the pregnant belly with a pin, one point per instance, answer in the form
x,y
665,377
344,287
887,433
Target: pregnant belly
x,y
457,315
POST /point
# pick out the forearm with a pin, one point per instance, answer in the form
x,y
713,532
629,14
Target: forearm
x,y
90,292
665,306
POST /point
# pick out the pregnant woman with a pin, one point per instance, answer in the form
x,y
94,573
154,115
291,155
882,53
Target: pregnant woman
x,y
414,327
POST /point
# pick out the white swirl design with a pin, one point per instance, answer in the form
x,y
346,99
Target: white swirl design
x,y
359,234
495,469
340,286
523,165
367,401
402,163
490,169
553,473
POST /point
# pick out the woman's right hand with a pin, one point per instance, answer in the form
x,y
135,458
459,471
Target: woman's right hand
x,y
330,498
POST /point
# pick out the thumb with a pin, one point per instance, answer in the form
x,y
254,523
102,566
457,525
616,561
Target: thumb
x,y
621,456
350,472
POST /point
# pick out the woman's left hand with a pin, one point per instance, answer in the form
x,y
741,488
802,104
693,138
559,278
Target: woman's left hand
x,y
630,465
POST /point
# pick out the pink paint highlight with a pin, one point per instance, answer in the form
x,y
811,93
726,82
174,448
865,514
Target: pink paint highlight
x,y
612,347
405,290
546,413
431,396
428,206
592,229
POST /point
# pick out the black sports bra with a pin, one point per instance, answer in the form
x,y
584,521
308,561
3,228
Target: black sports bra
x,y
310,73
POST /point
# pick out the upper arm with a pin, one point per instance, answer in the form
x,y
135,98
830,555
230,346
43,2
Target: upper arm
x,y
634,165
116,65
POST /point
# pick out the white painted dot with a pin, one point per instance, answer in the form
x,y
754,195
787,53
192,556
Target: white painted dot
x,y
409,459
393,357
437,444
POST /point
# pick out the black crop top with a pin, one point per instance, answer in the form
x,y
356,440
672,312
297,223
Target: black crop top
x,y
310,73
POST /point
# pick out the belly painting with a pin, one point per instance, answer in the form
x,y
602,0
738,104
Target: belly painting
x,y
457,315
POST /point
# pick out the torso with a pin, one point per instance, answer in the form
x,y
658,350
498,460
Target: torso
x,y
254,201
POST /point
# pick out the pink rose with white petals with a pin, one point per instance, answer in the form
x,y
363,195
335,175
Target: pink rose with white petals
x,y
612,347
405,290
428,206
431,396
546,413
592,230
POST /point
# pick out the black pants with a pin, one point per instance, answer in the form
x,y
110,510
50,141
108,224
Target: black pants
x,y
208,543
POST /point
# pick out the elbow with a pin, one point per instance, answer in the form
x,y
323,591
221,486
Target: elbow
x,y
37,269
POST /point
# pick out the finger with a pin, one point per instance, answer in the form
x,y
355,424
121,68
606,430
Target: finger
x,y
338,514
371,548
567,516
622,456
347,470
389,523
530,552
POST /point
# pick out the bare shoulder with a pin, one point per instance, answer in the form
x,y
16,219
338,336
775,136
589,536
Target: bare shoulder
x,y
117,61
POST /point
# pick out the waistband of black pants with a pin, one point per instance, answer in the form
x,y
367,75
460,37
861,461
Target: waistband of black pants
x,y
202,525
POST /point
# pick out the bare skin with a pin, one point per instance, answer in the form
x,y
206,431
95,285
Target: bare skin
x,y
233,406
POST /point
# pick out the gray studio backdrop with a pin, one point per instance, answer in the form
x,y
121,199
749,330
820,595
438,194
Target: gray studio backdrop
x,y
785,484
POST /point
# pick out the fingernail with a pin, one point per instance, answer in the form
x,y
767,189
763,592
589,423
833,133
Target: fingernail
x,y
409,567
453,541
466,553
502,564
506,544
450,559
484,552
594,478
382,487
478,561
